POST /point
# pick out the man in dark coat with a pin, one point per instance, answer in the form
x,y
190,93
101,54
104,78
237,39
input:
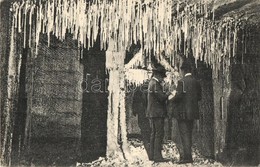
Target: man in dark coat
x,y
156,112
139,109
186,109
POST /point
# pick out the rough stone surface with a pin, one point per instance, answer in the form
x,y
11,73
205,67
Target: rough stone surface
x,y
56,100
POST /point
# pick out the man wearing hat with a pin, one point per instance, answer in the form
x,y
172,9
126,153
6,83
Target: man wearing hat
x,y
186,109
156,112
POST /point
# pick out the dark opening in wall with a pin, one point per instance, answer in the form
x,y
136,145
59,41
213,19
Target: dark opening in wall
x,y
94,105
204,129
20,113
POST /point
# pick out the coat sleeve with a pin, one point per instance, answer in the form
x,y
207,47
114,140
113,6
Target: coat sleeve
x,y
159,93
179,92
199,91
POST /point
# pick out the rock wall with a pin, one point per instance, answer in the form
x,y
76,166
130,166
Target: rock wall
x,y
243,126
56,101
221,89
236,103
6,123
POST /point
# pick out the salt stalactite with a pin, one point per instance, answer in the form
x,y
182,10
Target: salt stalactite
x,y
12,79
166,64
38,28
136,76
19,63
234,40
136,61
30,25
25,24
150,22
20,17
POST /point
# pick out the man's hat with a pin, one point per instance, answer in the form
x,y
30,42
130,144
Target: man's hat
x,y
159,68
186,65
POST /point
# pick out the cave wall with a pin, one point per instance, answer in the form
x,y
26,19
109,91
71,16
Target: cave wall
x,y
221,92
6,123
237,119
54,101
243,127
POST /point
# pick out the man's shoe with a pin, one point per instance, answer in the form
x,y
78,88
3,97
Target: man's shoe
x,y
185,161
161,160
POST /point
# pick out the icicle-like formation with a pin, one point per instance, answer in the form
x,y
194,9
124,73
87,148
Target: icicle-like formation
x,y
152,23
136,61
14,62
136,76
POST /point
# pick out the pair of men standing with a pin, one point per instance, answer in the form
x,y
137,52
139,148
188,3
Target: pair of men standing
x,y
185,110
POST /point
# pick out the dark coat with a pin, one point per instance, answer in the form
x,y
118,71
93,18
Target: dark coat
x,y
185,102
156,100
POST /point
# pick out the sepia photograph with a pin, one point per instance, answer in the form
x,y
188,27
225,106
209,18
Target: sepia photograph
x,y
130,83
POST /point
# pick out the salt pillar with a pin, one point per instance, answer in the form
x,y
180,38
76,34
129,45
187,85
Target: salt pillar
x,y
117,146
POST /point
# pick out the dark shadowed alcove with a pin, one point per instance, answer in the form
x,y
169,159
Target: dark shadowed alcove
x,y
20,112
243,117
204,131
94,105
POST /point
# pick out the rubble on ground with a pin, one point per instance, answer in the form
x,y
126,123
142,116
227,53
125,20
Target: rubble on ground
x,y
139,158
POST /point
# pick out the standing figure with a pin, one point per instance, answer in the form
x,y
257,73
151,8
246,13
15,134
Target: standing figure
x,y
156,112
139,107
186,109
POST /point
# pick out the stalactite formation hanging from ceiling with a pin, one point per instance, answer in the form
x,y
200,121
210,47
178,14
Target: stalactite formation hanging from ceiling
x,y
160,26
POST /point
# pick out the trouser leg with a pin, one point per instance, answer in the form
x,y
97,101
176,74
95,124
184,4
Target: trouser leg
x,y
185,128
146,132
159,134
152,137
177,138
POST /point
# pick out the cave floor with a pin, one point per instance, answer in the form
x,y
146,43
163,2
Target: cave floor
x,y
139,157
